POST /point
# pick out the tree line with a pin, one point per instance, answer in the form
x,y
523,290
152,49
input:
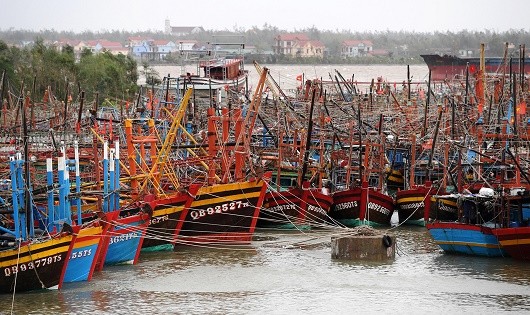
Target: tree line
x,y
403,46
38,67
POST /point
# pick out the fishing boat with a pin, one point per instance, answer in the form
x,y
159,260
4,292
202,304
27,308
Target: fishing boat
x,y
83,258
362,206
30,259
125,234
296,207
421,201
126,225
226,207
34,264
215,75
168,216
64,207
223,213
298,201
473,233
362,199
468,239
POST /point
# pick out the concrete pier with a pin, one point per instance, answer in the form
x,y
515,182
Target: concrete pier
x,y
364,247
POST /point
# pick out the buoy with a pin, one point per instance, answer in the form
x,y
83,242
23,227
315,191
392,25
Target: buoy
x,y
387,241
394,219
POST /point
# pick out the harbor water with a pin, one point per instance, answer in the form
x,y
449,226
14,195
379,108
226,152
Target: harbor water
x,y
286,75
292,272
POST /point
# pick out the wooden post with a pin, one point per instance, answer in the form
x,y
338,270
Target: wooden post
x,y
225,134
363,203
131,155
239,154
412,162
212,150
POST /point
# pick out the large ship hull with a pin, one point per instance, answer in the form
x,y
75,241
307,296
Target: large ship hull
x,y
447,67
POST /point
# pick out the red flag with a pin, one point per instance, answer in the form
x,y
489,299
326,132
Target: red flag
x,y
299,77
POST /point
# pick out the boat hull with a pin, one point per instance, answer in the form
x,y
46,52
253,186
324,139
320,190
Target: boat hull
x,y
467,239
413,205
35,266
167,218
298,208
515,241
123,239
223,213
352,209
447,67
444,208
83,257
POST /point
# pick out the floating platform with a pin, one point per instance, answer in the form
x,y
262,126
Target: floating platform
x,y
364,247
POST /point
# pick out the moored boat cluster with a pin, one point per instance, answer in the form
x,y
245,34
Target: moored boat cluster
x,y
174,169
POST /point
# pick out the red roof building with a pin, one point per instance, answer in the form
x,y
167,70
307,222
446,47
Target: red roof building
x,y
356,48
298,45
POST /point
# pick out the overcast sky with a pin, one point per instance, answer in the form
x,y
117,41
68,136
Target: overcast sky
x,y
365,15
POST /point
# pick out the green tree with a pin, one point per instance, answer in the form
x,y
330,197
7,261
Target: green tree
x,y
113,77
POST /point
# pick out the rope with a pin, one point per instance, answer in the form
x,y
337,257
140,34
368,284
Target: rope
x,y
16,277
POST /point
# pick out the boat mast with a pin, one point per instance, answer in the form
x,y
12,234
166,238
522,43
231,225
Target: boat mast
x,y
359,121
429,165
427,105
308,138
27,203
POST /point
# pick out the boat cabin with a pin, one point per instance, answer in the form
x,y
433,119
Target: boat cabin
x,y
222,69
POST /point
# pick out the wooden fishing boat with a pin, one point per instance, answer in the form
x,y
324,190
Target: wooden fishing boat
x,y
217,74
223,213
34,264
444,207
298,201
30,260
414,204
296,207
64,207
473,233
124,237
462,238
226,206
83,257
125,225
361,199
362,206
168,216
497,174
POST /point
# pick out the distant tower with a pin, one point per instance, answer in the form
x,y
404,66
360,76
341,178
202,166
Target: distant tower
x,y
168,27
